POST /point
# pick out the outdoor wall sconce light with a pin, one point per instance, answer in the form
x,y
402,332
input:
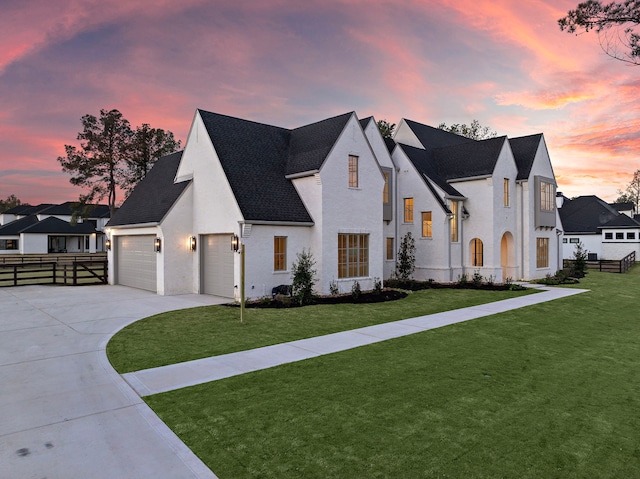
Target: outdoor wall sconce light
x,y
107,244
192,243
158,245
235,242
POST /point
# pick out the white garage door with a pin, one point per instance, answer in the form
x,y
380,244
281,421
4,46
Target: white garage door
x,y
136,261
217,265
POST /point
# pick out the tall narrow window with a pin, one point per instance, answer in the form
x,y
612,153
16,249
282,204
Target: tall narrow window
x,y
546,196
426,224
390,248
454,221
408,210
542,252
353,171
477,257
385,191
279,253
353,255
506,191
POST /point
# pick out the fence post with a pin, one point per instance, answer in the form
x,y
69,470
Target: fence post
x,y
15,275
75,273
54,273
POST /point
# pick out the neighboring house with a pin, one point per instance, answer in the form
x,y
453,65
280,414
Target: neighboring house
x,y
628,208
47,228
340,190
606,230
483,206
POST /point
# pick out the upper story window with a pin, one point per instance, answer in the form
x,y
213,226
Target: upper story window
x,y
408,210
385,191
619,235
506,192
387,195
608,236
547,197
353,171
427,224
454,220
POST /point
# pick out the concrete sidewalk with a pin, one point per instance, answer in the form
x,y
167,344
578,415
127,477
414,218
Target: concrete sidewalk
x,y
64,412
190,373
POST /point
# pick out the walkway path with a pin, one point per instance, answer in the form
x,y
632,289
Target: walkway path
x,y
176,376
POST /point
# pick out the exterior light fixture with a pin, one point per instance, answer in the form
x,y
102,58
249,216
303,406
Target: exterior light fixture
x,y
192,243
107,244
235,242
158,245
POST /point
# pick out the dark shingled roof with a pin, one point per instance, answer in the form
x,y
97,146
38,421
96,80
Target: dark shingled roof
x,y
55,225
23,210
16,227
467,160
585,214
365,121
621,221
426,167
628,206
524,151
431,137
152,198
67,209
256,159
310,145
390,144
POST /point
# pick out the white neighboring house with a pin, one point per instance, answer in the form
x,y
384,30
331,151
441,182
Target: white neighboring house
x,y
338,189
47,228
606,230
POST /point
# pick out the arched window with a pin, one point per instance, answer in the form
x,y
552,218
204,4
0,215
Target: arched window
x,y
476,252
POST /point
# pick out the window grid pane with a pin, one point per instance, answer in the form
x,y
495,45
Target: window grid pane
x,y
542,252
279,253
353,171
506,191
546,196
385,191
426,224
408,210
454,222
477,256
353,255
390,248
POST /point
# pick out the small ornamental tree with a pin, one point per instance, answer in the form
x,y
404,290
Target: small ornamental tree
x,y
303,277
406,257
580,255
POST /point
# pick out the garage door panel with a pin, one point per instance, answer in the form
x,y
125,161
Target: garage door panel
x,y
217,265
136,261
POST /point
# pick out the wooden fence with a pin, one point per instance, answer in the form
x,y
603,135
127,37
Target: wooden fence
x,y
61,258
72,273
608,265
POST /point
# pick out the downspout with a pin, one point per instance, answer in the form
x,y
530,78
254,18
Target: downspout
x,y
448,241
521,230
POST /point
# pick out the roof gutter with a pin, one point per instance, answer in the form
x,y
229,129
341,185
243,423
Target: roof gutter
x,y
302,174
138,225
469,178
278,223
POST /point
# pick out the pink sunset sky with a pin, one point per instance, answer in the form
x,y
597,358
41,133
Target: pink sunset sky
x,y
290,62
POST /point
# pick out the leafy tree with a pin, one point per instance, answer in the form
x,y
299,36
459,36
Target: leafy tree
x,y
112,156
11,202
99,164
475,131
631,194
406,257
147,145
386,128
615,24
303,277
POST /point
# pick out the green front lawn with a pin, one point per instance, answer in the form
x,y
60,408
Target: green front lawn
x,y
177,336
547,391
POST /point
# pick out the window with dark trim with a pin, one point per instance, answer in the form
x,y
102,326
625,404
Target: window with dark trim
x,y
9,244
542,252
619,235
574,240
631,235
477,258
390,251
608,236
408,210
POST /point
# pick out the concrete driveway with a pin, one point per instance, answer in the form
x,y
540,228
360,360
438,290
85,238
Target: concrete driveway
x,y
64,412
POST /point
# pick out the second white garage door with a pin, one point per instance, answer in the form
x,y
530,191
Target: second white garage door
x,y
136,261
217,265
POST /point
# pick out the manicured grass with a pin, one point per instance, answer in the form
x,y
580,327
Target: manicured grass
x,y
184,335
547,391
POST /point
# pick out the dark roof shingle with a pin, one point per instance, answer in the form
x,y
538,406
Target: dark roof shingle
x,y
524,151
585,214
152,198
